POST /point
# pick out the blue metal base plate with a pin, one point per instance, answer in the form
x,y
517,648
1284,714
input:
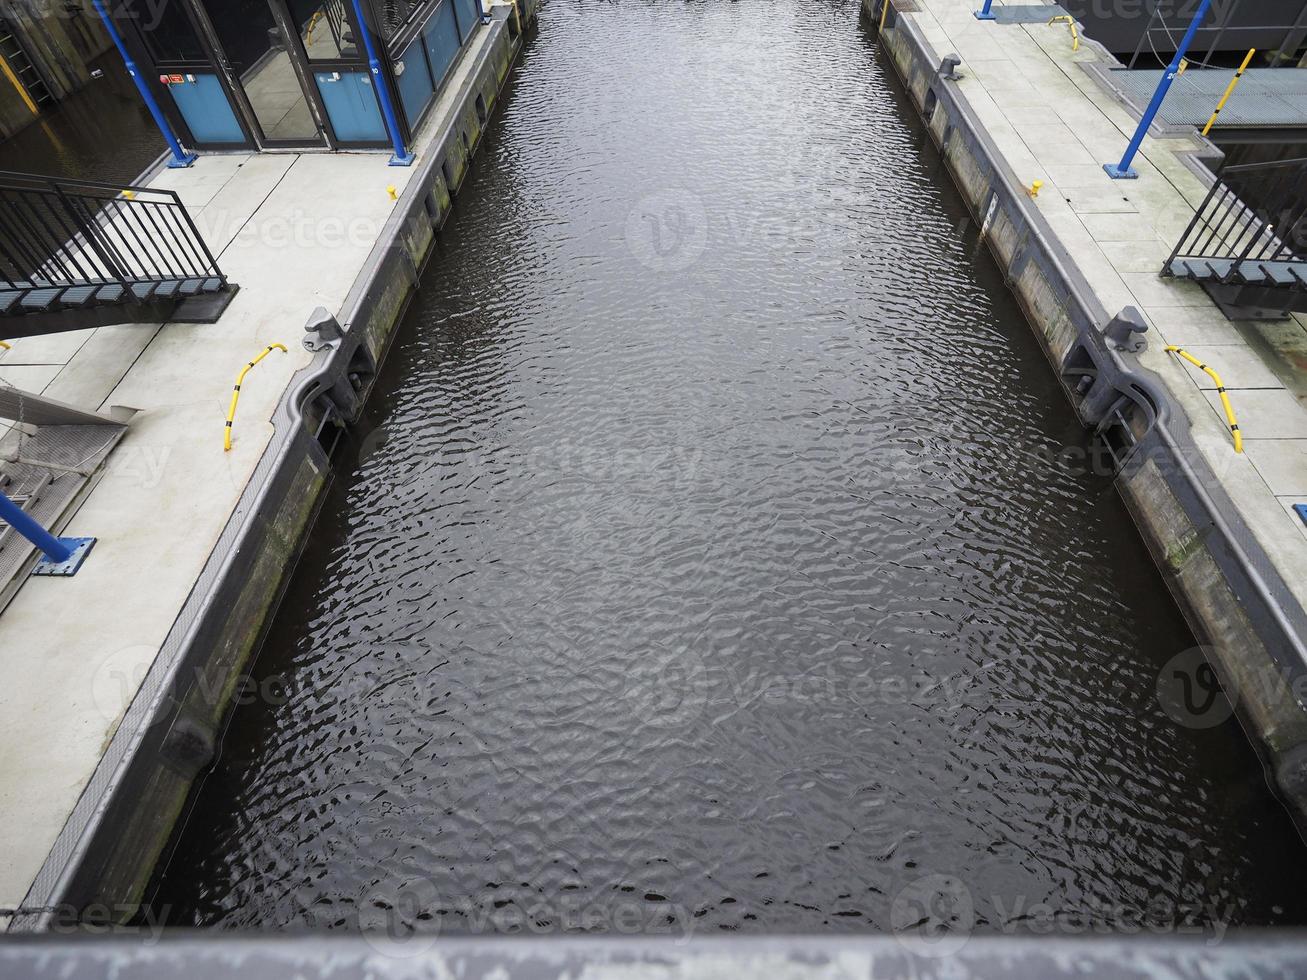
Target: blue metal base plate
x,y
81,548
397,161
981,15
1116,173
186,161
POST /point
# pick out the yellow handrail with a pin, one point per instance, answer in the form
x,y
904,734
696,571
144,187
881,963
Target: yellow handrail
x,y
236,392
884,12
1220,390
1075,35
1229,89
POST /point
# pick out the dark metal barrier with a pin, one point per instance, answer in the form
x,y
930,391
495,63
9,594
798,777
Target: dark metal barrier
x,y
1251,227
76,243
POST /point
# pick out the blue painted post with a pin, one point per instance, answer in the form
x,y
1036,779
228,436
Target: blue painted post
x,y
17,518
984,13
180,158
401,157
1123,170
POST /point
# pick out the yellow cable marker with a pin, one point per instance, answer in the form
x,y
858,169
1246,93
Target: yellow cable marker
x,y
1220,390
1075,34
1229,89
236,392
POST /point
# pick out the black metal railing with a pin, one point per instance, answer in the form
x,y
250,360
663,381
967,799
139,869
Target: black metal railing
x,y
59,234
1256,214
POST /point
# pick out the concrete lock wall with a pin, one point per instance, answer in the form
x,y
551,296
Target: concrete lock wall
x,y
1232,596
107,852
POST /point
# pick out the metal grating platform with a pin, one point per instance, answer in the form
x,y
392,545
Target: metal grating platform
x,y
1264,97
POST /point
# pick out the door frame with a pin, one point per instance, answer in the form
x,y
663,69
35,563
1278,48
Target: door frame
x,y
241,104
136,42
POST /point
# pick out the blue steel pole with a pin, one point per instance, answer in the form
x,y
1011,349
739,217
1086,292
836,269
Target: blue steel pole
x,y
984,13
402,157
20,521
1123,170
180,158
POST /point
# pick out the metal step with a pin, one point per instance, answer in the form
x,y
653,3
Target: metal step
x,y
78,297
1249,272
41,300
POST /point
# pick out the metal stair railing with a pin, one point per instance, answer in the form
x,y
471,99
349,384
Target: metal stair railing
x,y
57,235
1253,220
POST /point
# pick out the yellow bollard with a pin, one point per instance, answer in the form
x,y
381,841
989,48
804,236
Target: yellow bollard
x,y
1075,34
6,346
236,392
1033,189
1220,390
394,194
1229,89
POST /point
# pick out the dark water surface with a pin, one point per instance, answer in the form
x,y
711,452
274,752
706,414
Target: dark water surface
x,y
701,564
103,132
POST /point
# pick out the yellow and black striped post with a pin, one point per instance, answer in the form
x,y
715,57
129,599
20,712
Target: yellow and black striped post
x,y
1220,390
236,392
1229,89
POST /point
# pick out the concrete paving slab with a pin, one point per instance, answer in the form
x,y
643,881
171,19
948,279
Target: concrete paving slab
x,y
57,348
1097,199
1189,325
1238,366
1264,413
1136,256
1282,464
28,377
1119,227
1153,290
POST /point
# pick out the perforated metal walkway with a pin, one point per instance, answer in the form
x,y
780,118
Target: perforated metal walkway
x,y
1264,97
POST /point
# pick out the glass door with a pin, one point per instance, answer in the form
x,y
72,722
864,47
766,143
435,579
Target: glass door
x,y
170,44
260,59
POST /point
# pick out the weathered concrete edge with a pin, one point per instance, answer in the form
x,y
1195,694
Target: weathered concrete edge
x,y
110,844
1231,593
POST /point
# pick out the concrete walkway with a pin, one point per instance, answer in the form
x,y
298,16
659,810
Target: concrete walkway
x,y
1053,122
294,231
